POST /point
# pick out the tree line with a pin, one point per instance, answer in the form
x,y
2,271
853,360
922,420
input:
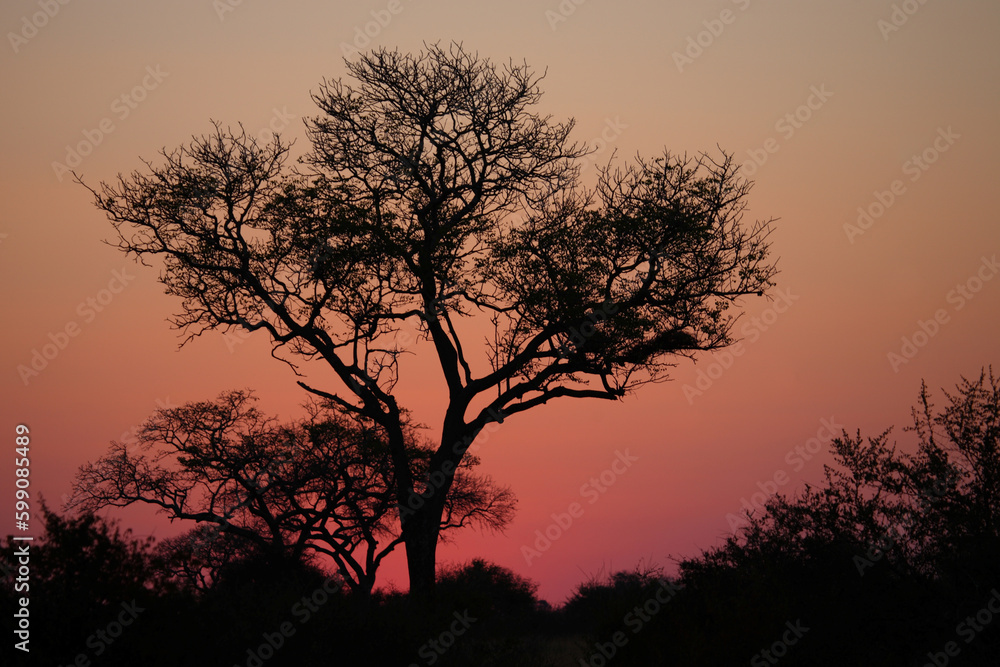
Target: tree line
x,y
891,560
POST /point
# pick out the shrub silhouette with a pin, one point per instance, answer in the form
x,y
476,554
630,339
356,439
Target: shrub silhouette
x,y
488,590
83,570
887,557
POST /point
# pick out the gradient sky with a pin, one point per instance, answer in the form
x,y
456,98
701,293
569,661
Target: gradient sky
x,y
882,92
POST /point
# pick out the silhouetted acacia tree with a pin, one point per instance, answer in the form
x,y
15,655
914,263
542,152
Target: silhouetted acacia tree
x,y
280,492
435,194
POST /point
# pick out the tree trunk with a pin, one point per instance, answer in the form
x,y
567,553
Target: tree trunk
x,y
423,526
361,596
421,555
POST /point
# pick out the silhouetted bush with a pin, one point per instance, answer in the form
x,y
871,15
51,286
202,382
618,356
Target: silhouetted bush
x,y
487,590
90,586
886,560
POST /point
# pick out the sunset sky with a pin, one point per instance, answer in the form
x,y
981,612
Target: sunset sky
x,y
870,129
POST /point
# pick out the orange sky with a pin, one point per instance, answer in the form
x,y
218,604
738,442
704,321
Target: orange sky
x,y
833,106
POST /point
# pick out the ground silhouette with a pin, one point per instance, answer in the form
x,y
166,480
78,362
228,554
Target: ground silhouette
x,y
893,560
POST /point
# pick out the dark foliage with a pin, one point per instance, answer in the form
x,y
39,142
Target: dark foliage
x,y
321,485
893,560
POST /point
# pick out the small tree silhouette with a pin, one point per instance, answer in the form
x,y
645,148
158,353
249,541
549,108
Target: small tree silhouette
x,y
322,485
